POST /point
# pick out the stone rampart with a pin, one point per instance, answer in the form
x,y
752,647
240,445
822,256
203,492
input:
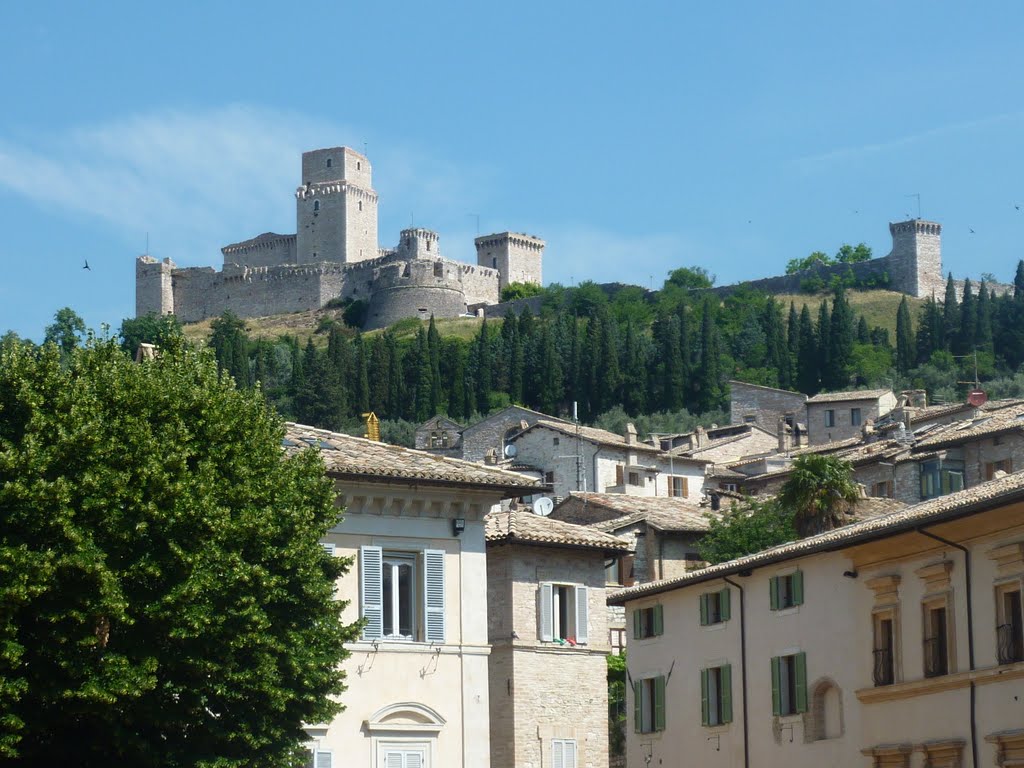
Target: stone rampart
x,y
479,283
417,288
266,250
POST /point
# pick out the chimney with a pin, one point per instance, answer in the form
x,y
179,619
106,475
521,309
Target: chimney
x,y
700,436
716,501
867,432
785,438
630,434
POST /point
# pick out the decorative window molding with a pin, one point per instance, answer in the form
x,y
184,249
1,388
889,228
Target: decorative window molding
x,y
886,589
405,716
944,753
889,755
1009,746
936,577
1009,559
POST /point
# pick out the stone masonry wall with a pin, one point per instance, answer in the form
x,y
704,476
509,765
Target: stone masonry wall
x,y
540,691
765,404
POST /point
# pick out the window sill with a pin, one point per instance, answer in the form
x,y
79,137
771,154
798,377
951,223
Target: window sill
x,y
716,627
787,611
927,685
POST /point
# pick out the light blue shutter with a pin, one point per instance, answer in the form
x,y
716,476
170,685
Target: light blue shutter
x,y
544,620
558,754
394,760
433,594
323,759
328,548
413,760
372,586
582,616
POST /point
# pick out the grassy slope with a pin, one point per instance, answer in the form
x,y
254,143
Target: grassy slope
x,y
878,308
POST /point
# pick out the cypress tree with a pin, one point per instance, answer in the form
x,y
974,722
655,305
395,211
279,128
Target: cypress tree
x,y
454,370
482,368
968,326
395,391
634,372
380,380
422,378
361,380
905,352
709,371
610,380
551,391
950,315
823,355
592,368
1018,281
984,335
863,332
807,354
840,341
776,348
434,354
793,344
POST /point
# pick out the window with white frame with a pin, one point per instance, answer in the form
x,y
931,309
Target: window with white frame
x,y
716,695
319,758
564,613
402,594
403,757
563,753
678,487
649,704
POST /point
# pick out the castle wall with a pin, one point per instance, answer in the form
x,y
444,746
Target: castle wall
x,y
480,284
267,250
418,288
864,270
516,256
154,291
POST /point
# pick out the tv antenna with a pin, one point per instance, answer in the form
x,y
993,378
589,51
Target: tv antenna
x,y
918,196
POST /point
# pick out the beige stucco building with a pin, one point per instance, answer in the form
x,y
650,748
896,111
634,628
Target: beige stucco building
x,y
897,641
418,676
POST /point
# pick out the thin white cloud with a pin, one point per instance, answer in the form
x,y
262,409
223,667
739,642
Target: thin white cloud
x,y
196,180
845,154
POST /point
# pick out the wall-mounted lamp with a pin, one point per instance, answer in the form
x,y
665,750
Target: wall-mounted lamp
x,y
458,525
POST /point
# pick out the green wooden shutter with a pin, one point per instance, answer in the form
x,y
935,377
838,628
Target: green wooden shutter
x,y
638,706
703,610
705,709
725,693
801,681
659,619
637,624
798,588
773,591
776,685
723,603
659,703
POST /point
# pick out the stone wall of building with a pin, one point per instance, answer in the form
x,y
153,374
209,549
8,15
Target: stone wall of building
x,y
541,691
418,288
764,406
480,284
517,257
267,250
154,287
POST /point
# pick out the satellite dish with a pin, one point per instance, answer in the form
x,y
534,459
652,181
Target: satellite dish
x,y
510,451
543,506
977,397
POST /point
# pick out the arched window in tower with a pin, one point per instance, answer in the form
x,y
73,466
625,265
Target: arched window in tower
x,y
359,166
360,205
329,162
316,206
824,720
428,245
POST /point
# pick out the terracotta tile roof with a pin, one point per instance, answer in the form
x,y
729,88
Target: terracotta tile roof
x,y
860,394
523,526
593,435
663,512
350,456
988,495
1007,419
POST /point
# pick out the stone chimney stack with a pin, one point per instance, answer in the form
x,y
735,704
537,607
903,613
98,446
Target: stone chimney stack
x,y
785,436
630,433
700,437
867,432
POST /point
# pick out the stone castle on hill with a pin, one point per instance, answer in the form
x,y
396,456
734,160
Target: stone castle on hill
x,y
335,255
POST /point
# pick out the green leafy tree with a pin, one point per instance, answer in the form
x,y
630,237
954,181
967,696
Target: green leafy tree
x,y
514,291
148,329
165,598
66,331
690,278
851,254
616,704
820,493
230,344
817,258
745,529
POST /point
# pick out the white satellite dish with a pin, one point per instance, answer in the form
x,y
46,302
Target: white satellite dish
x,y
510,451
543,506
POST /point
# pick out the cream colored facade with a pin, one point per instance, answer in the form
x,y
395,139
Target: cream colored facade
x,y
417,679
871,592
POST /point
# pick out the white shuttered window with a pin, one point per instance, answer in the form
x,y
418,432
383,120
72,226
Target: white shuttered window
x,y
563,753
563,614
402,594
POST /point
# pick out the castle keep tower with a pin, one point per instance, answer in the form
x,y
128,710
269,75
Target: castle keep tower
x,y
915,262
335,208
516,256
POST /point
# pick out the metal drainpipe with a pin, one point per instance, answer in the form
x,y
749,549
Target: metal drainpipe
x,y
743,676
970,635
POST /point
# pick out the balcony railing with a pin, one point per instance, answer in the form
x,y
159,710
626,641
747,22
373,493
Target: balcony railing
x,y
883,672
935,661
1009,643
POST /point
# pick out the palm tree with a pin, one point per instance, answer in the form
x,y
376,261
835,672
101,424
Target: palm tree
x,y
820,492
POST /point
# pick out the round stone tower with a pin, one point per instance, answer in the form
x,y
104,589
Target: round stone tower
x,y
915,262
415,288
335,208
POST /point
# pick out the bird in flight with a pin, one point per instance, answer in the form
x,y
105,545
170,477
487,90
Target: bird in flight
x,y
972,231
1017,207
87,265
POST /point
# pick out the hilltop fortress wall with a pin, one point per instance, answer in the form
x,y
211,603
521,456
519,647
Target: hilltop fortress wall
x,y
335,255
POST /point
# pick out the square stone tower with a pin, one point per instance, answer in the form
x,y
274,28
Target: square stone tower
x,y
915,263
516,256
335,208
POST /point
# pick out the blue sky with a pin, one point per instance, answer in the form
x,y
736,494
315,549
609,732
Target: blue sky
x,y
634,138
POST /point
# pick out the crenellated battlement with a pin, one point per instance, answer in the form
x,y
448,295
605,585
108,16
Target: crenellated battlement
x,y
325,188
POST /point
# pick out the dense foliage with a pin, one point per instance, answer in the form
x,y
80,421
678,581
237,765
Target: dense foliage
x,y
624,350
744,529
820,493
164,600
